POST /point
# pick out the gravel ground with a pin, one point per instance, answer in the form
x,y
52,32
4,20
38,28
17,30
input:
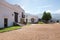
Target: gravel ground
x,y
34,32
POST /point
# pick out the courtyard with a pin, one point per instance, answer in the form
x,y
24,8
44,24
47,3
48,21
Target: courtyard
x,y
34,32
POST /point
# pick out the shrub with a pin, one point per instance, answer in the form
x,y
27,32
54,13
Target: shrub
x,y
40,22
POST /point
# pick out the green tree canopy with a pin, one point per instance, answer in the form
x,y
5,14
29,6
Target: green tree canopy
x,y
46,16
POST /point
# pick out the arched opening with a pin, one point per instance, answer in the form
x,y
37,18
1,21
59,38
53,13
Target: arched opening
x,y
32,20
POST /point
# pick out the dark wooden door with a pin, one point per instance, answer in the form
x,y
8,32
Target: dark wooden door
x,y
16,17
5,22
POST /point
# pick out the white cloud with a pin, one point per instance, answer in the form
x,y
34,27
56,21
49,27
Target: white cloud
x,y
48,11
57,11
54,12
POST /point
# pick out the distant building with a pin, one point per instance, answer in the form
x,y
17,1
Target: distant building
x,y
10,14
55,20
31,18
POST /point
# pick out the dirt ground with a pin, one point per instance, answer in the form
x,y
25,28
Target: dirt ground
x,y
34,32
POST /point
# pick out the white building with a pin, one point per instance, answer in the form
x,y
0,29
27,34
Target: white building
x,y
31,18
9,14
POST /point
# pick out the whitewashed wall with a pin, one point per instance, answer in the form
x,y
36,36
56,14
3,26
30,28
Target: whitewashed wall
x,y
29,16
6,11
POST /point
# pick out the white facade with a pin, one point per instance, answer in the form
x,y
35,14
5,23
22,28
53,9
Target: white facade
x,y
29,17
7,11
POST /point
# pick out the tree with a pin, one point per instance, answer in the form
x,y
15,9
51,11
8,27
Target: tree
x,y
57,21
46,16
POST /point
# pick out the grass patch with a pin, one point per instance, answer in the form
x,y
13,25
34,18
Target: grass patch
x,y
28,23
40,22
9,29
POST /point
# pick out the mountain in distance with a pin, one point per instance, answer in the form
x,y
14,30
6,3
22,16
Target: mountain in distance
x,y
54,16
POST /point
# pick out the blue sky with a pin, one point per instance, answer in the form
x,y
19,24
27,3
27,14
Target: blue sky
x,y
38,6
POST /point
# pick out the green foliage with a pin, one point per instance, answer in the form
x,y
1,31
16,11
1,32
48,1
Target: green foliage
x,y
40,22
9,29
46,16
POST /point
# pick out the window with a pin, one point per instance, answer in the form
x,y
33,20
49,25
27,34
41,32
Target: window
x,y
23,16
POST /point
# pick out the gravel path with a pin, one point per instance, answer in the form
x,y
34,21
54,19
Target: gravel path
x,y
34,32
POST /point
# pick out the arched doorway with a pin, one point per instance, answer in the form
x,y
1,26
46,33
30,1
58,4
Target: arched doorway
x,y
32,20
